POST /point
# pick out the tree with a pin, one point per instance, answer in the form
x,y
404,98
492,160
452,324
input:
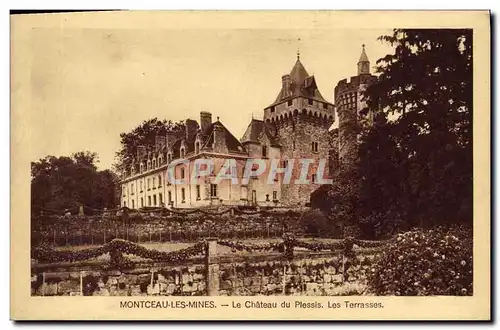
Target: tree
x,y
59,183
414,164
143,134
423,150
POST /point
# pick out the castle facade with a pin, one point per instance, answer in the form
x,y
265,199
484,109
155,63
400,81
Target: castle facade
x,y
291,142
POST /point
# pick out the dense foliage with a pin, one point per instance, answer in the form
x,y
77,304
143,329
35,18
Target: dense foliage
x,y
419,262
59,183
143,134
414,166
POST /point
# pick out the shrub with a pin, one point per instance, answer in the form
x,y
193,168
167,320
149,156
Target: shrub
x,y
418,262
314,222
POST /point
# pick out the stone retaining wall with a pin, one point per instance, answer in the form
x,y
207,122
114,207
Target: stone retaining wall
x,y
322,276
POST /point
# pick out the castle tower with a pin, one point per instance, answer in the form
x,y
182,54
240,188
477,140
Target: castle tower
x,y
349,102
301,118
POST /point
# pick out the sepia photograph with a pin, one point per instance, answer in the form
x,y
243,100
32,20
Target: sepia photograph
x,y
250,162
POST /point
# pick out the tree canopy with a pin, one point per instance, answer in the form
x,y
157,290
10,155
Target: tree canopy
x,y
144,134
415,161
59,183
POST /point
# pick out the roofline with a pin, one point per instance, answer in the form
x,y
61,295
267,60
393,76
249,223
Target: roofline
x,y
191,157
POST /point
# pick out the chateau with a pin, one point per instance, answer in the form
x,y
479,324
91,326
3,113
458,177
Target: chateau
x,y
295,126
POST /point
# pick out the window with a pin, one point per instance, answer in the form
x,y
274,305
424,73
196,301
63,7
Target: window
x,y
154,200
314,146
149,200
149,184
169,197
275,195
154,163
289,102
310,101
182,173
325,106
140,182
124,203
159,181
285,163
313,178
160,197
169,157
142,202
160,160
198,192
272,109
183,195
293,145
154,183
197,147
141,167
182,152
264,151
133,206
149,165
132,188
267,197
213,190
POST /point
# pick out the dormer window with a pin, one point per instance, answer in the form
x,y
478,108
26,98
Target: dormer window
x,y
182,152
289,103
169,157
149,165
272,109
154,162
310,101
160,160
264,151
141,167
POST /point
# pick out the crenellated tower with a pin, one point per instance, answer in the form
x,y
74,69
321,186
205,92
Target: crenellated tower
x,y
301,118
349,102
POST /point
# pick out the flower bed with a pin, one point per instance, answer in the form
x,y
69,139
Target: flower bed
x,y
418,262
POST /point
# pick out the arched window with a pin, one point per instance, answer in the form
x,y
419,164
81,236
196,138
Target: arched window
x,y
182,152
169,157
154,162
141,167
149,165
160,160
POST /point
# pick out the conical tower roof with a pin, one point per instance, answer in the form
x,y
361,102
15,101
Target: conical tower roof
x,y
302,84
363,57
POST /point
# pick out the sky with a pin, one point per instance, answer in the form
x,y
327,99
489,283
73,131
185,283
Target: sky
x,y
88,85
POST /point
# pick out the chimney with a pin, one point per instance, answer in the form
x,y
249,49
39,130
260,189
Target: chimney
x,y
286,85
191,129
141,152
205,121
159,142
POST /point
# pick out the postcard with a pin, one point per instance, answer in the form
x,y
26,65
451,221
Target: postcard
x,y
250,165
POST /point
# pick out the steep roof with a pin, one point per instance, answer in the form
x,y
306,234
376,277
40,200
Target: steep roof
x,y
302,84
232,142
255,129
